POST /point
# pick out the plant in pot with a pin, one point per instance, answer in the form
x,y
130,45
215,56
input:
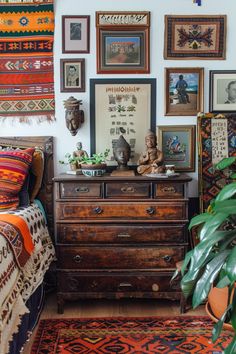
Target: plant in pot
x,y
71,160
212,262
94,165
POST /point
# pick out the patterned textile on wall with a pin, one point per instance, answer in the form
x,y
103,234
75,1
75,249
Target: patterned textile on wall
x,y
26,60
212,181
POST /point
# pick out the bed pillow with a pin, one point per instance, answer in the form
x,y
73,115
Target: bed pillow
x,y
14,167
36,173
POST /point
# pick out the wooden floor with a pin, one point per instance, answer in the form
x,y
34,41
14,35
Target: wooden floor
x,y
111,308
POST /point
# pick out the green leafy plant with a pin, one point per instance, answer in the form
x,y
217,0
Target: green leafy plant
x,y
95,159
212,262
70,159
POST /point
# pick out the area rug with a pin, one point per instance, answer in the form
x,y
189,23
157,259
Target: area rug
x,y
147,335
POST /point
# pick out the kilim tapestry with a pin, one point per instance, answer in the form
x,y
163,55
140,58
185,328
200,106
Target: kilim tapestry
x,y
176,335
26,60
217,140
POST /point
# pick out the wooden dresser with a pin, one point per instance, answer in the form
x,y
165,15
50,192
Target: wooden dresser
x,y
119,236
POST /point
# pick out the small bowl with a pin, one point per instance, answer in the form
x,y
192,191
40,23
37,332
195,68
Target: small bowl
x,y
93,170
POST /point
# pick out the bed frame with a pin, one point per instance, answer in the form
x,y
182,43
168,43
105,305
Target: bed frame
x,y
46,192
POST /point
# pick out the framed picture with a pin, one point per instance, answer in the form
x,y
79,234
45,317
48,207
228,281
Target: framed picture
x,y
184,91
72,75
178,145
123,42
195,37
75,34
222,91
121,107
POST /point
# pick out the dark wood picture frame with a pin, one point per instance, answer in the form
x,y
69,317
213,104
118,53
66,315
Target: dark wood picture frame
x,y
123,42
185,99
74,81
75,34
222,91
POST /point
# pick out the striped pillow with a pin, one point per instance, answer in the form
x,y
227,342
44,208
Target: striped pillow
x,y
14,167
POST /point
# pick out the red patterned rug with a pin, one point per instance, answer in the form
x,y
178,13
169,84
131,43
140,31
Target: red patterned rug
x,y
147,335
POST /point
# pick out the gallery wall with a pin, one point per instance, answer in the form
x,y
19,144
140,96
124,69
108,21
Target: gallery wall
x,y
64,141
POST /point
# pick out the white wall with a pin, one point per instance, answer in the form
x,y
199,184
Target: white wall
x,y
64,142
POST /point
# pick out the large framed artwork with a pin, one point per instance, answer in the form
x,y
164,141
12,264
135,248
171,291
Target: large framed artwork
x,y
184,91
123,42
216,140
75,34
177,143
121,107
222,91
195,37
72,75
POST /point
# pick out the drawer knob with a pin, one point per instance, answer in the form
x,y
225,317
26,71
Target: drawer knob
x,y
169,190
167,258
97,210
82,189
78,258
151,210
127,189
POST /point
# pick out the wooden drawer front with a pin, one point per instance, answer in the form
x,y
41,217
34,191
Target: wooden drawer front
x,y
169,190
80,190
119,257
74,282
124,211
128,190
82,233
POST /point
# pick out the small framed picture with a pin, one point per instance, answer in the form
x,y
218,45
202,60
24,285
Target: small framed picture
x,y
184,91
222,91
75,34
72,75
123,42
178,145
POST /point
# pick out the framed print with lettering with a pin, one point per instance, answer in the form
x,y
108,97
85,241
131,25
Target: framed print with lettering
x,y
222,91
184,91
123,42
177,143
75,34
72,75
121,107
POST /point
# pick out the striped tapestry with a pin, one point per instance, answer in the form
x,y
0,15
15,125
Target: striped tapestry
x,y
26,60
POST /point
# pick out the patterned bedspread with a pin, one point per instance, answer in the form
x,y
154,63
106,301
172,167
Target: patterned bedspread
x,y
18,283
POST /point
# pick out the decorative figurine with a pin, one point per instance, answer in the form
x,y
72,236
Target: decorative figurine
x,y
74,116
80,152
151,161
121,152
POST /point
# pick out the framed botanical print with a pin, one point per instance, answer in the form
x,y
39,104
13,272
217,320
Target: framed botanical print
x,y
121,107
75,34
72,75
184,91
195,37
222,91
123,42
177,143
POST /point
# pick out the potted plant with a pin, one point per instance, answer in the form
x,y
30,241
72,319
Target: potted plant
x,y
94,165
70,160
212,262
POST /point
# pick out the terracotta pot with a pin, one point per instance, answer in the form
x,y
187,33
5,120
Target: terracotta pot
x,y
73,166
226,326
218,299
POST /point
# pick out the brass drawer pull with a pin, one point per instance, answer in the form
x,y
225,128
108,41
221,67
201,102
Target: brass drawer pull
x,y
167,258
151,210
97,210
168,190
127,189
78,258
82,189
124,235
125,285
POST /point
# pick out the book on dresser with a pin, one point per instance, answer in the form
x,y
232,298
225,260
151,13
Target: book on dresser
x,y
119,237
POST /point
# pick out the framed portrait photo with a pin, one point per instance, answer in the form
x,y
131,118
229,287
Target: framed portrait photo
x,y
72,75
184,91
123,42
75,34
121,107
177,143
222,91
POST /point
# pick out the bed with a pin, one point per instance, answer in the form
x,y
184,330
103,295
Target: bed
x,y
26,245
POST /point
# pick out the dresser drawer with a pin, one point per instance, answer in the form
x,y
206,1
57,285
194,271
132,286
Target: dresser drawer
x,y
80,190
151,282
110,233
169,190
128,190
119,257
122,211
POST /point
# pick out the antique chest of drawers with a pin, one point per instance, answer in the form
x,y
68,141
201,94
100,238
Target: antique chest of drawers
x,y
119,236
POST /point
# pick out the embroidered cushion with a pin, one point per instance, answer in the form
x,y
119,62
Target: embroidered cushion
x,y
14,167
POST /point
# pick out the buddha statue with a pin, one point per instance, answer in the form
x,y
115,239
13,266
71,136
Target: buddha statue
x,y
121,152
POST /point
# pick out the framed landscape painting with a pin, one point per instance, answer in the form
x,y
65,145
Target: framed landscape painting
x,y
184,91
178,145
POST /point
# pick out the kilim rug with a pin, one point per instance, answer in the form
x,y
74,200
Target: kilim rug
x,y
176,335
26,60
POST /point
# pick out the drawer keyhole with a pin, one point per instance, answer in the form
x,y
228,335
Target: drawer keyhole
x,y
97,210
167,258
78,258
151,210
